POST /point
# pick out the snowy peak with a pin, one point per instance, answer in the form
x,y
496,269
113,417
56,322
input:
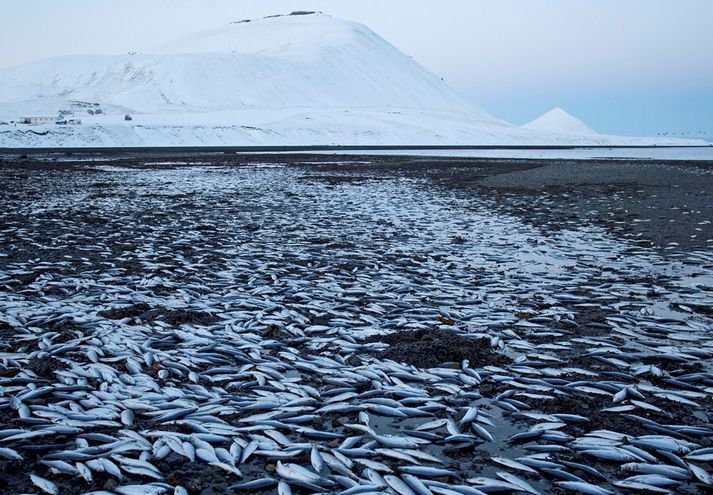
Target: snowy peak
x,y
559,121
296,33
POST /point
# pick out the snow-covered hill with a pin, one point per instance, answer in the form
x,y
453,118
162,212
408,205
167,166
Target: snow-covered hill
x,y
294,61
559,121
286,80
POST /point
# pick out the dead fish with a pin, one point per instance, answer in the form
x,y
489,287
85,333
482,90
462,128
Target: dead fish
x,y
45,485
296,472
10,454
585,488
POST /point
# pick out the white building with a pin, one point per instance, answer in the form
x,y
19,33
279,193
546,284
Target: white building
x,y
38,120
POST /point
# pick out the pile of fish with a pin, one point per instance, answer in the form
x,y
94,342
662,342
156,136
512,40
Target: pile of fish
x,y
216,330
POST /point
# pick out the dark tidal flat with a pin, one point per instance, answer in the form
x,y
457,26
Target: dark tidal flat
x,y
212,323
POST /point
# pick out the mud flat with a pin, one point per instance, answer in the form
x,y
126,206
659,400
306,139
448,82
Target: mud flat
x,y
217,323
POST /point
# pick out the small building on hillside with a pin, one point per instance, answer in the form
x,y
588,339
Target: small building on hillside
x,y
83,104
128,117
38,120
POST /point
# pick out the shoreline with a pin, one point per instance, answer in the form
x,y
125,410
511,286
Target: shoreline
x,y
549,153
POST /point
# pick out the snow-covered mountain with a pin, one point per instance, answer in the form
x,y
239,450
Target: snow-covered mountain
x,y
310,61
283,80
561,122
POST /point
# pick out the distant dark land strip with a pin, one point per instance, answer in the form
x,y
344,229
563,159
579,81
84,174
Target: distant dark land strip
x,y
294,149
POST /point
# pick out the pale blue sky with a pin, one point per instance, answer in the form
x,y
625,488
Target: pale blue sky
x,y
623,66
